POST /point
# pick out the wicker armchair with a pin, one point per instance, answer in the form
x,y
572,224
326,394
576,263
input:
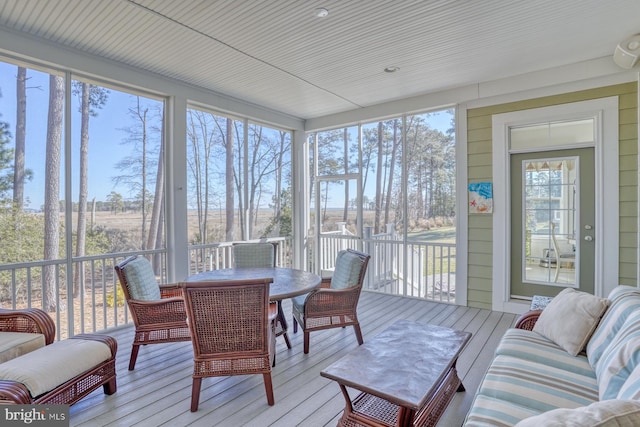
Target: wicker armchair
x,y
232,325
157,310
334,306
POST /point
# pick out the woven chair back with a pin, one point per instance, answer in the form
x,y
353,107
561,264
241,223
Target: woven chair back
x,y
227,317
137,279
351,267
254,255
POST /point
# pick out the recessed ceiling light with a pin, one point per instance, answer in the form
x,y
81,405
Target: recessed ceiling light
x,y
391,69
321,12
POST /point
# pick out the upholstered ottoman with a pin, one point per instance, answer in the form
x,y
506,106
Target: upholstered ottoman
x,y
60,373
15,344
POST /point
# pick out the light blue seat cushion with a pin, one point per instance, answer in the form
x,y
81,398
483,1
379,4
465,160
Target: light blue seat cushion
x,y
346,275
142,281
254,255
347,270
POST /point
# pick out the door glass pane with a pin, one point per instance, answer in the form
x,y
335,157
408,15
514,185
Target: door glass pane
x,y
577,131
549,201
552,134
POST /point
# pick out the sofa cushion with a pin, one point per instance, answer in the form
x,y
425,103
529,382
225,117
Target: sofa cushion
x,y
46,368
608,413
14,344
624,301
620,358
537,386
490,412
630,390
529,345
570,319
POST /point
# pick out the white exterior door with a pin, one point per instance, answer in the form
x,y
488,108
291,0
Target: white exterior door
x,y
556,134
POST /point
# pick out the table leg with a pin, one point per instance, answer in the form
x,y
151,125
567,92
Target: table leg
x,y
281,325
405,417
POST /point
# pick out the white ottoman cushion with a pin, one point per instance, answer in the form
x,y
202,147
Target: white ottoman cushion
x,y
14,344
44,369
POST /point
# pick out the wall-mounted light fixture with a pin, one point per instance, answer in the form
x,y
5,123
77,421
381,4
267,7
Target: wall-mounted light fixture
x,y
627,52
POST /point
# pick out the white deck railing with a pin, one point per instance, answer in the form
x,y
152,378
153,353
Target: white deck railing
x,y
97,305
413,268
416,269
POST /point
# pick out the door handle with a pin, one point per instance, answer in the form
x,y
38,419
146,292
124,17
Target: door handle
x,y
588,238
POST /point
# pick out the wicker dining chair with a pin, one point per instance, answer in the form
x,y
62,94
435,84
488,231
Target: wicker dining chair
x,y
252,255
334,304
232,328
256,255
157,310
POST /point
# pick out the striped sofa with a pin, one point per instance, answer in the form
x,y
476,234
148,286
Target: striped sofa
x,y
531,381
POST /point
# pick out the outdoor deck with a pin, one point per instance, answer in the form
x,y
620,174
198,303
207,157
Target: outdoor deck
x,y
158,392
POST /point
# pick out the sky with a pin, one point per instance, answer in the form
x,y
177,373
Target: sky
x,y
107,137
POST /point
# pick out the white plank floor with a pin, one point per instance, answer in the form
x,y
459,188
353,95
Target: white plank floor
x,y
158,392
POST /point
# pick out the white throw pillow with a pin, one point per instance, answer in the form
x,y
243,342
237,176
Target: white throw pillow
x,y
570,319
607,413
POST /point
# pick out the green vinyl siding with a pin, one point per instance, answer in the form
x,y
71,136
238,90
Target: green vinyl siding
x,y
479,151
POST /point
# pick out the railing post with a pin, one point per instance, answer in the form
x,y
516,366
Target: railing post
x,y
373,261
390,229
389,258
342,229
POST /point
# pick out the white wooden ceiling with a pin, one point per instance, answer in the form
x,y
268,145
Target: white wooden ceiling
x,y
278,54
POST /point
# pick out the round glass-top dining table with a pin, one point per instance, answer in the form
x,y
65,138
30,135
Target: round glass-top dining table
x,y
287,283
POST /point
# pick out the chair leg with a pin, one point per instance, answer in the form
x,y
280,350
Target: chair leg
x,y
110,387
295,325
134,356
195,394
306,342
268,386
358,332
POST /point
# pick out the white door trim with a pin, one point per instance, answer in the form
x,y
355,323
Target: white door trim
x,y
605,112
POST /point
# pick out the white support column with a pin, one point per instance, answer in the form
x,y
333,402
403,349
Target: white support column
x,y
176,189
300,208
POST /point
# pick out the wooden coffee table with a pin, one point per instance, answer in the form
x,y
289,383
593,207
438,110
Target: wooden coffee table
x,y
406,375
